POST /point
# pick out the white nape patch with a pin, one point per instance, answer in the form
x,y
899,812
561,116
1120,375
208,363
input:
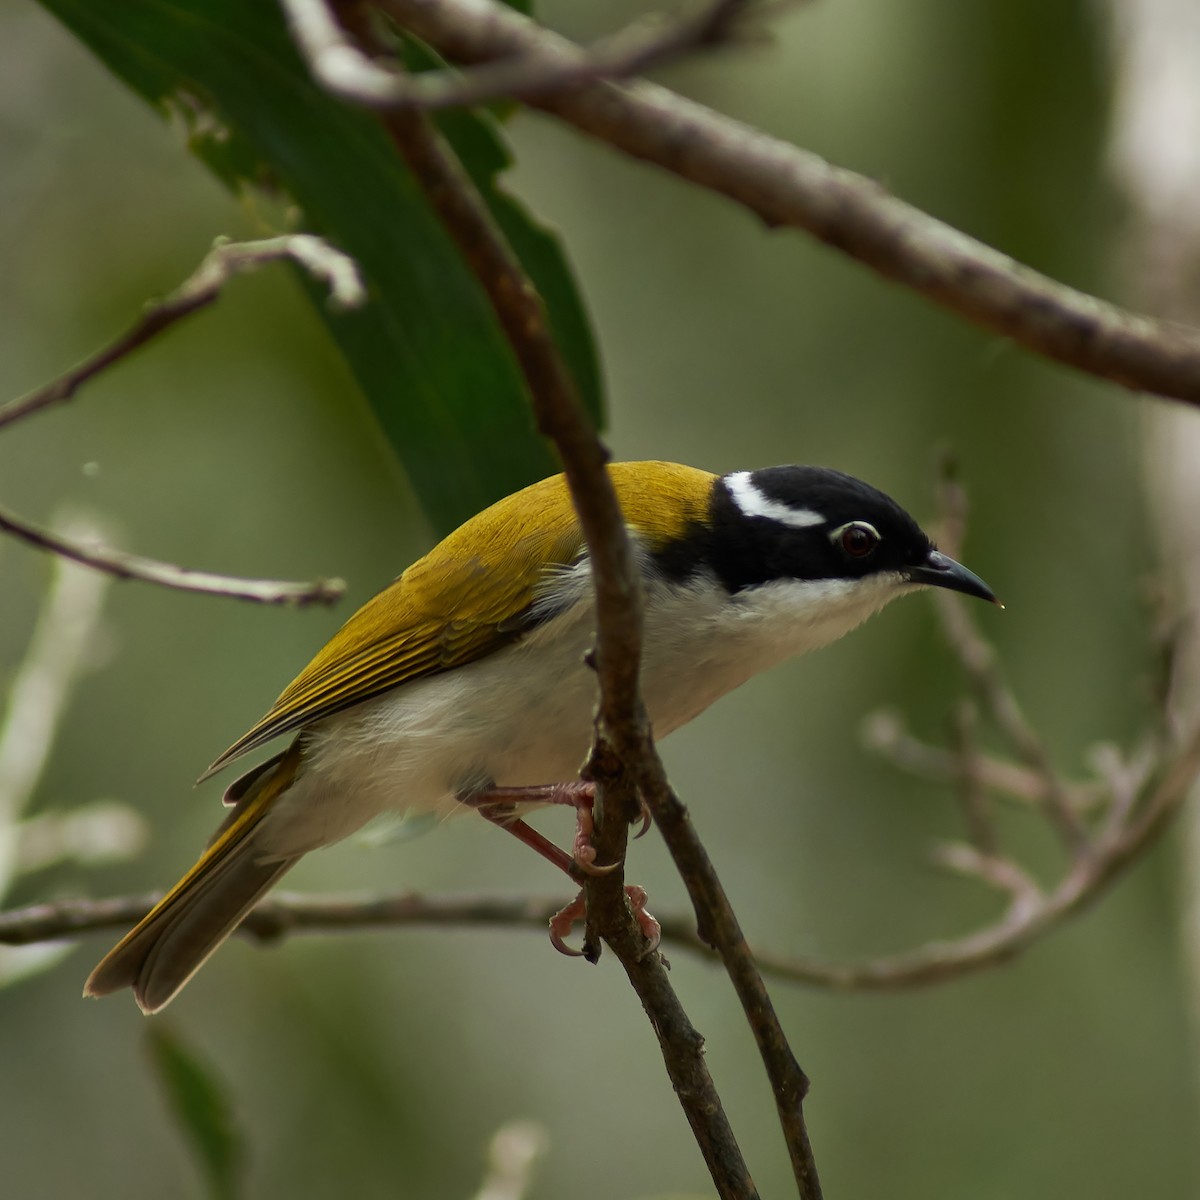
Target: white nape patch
x,y
753,503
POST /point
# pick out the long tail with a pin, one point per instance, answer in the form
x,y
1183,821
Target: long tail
x,y
174,940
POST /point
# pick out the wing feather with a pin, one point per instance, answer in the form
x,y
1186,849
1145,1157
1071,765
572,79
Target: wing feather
x,y
472,594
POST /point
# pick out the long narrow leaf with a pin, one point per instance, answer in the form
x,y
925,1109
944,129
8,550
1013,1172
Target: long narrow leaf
x,y
426,350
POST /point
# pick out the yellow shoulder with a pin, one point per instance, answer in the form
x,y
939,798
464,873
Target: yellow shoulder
x,y
661,499
468,596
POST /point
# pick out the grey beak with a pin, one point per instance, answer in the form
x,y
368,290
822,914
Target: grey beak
x,y
940,570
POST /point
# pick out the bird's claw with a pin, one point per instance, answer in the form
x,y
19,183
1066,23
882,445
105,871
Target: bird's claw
x,y
561,923
651,929
563,920
583,853
647,820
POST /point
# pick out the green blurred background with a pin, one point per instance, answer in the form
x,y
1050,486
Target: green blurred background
x,y
379,1064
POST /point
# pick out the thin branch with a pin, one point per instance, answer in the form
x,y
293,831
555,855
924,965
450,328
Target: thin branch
x,y
971,790
560,416
622,721
284,914
884,734
787,186
346,71
718,927
120,565
978,659
1029,916
225,260
1025,920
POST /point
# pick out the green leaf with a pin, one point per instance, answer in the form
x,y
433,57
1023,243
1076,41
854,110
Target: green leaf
x,y
202,1111
426,350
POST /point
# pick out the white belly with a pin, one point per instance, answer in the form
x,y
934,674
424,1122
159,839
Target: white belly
x,y
523,716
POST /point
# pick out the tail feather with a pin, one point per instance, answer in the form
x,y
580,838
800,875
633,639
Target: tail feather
x,y
174,940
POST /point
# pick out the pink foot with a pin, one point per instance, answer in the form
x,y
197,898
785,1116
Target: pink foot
x,y
651,929
561,923
563,920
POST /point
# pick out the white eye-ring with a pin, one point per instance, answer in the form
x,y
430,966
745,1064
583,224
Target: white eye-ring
x,y
856,538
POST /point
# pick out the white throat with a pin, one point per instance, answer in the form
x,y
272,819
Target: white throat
x,y
701,643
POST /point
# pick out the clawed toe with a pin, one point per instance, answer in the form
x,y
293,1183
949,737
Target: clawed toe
x,y
651,929
647,820
583,853
563,921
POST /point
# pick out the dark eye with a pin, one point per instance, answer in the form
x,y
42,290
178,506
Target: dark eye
x,y
858,539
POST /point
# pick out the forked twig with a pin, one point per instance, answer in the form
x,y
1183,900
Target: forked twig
x,y
343,69
561,417
226,259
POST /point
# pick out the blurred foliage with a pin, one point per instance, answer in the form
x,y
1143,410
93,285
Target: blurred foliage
x,y
384,1063
427,349
201,1108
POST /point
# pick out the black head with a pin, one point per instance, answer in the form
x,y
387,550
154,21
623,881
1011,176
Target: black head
x,y
812,523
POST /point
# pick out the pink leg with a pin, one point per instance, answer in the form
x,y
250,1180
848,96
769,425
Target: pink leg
x,y
578,794
530,836
498,805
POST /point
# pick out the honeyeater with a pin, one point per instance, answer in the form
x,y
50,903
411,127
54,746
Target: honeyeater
x,y
467,675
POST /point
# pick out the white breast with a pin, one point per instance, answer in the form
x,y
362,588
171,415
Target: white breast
x,y
523,716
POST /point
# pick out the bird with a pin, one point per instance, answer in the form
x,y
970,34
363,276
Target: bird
x,y
467,680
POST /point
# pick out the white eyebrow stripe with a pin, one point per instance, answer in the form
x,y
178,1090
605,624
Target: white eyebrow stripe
x,y
752,503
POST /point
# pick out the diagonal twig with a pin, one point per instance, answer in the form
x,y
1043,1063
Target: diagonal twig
x,y
561,417
225,260
884,734
978,659
202,288
183,579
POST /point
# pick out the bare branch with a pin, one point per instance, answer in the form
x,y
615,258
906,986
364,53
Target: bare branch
x,y
1029,916
787,186
345,70
1128,809
972,792
132,566
978,660
283,914
225,260
561,417
884,734
718,927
